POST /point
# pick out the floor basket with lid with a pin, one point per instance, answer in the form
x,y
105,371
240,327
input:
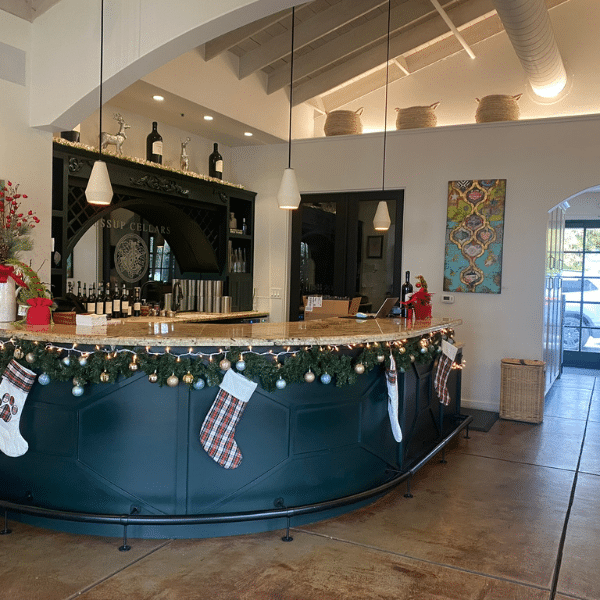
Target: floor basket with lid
x,y
522,390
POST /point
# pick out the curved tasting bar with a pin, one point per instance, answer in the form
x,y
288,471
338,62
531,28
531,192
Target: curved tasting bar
x,y
104,440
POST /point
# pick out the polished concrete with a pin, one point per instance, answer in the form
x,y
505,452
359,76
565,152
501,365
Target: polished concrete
x,y
488,524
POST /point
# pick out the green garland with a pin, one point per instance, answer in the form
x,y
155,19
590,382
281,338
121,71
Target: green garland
x,y
344,365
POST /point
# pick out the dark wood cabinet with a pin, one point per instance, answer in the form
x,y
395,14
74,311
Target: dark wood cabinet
x,y
191,213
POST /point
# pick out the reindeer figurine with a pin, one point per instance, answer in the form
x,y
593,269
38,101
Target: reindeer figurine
x,y
184,159
118,138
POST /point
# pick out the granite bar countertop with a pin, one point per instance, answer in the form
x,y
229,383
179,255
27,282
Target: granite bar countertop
x,y
179,332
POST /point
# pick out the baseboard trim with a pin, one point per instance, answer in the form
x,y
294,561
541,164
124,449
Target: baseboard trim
x,y
479,405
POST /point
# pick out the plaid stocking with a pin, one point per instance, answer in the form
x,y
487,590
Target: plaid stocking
x,y
392,386
15,385
218,429
441,379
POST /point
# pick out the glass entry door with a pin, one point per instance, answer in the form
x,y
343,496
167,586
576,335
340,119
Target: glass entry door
x,y
581,294
337,252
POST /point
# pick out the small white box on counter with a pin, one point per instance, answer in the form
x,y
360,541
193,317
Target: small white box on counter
x,y
90,320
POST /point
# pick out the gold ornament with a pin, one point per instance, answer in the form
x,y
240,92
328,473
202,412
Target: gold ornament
x,y
153,378
225,364
30,357
173,380
188,378
104,377
133,366
359,368
18,353
309,377
402,349
380,358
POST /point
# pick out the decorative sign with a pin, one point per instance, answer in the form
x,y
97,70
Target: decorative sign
x,y
131,257
474,231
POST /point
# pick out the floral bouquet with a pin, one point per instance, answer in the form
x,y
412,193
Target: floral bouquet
x,y
15,224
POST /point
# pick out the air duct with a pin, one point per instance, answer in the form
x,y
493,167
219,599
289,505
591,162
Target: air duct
x,y
529,29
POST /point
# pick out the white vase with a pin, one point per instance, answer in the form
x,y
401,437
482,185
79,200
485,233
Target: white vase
x,y
8,301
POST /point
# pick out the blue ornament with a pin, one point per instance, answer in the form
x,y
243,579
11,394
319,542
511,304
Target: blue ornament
x,y
77,390
424,350
326,378
240,365
198,384
44,379
83,361
66,361
280,383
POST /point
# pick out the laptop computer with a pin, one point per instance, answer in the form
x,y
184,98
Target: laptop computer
x,y
384,310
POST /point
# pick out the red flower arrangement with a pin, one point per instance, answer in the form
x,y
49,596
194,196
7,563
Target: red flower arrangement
x,y
420,301
15,224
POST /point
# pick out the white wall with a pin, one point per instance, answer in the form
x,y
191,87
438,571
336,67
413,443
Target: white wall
x,y
543,162
25,154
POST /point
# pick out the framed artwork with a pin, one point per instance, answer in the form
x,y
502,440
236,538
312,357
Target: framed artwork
x,y
474,232
374,246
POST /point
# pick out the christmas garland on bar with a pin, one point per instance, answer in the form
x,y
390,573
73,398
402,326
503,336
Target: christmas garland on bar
x,y
274,370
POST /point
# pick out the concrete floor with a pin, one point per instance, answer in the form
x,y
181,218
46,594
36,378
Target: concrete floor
x,y
488,524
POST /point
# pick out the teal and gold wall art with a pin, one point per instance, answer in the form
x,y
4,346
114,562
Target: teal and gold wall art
x,y
474,231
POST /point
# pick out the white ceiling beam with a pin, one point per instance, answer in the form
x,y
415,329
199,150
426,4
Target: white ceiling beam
x,y
233,38
453,28
400,62
349,43
401,44
306,32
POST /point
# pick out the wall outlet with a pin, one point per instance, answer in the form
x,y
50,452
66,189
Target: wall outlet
x,y
275,292
448,298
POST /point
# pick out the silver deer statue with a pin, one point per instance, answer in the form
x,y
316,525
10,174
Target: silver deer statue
x,y
184,159
118,138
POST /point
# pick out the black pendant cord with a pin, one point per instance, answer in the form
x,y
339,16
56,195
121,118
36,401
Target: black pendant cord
x,y
101,75
291,91
387,78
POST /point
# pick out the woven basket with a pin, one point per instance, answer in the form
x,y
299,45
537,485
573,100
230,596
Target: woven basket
x,y
343,122
415,117
497,107
64,318
522,390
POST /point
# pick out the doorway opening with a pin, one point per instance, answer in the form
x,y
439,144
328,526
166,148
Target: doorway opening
x,y
337,252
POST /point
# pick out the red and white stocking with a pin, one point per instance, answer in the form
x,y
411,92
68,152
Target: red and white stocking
x,y
218,429
14,388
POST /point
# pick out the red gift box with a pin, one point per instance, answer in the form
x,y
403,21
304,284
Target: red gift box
x,y
39,311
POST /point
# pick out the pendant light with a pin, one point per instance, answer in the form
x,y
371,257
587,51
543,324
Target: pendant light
x,y
288,196
382,221
98,190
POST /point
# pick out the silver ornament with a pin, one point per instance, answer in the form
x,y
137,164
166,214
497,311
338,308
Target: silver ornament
x,y
380,358
66,361
240,365
44,379
30,357
77,390
172,380
309,377
359,368
199,384
225,364
280,383
18,353
83,361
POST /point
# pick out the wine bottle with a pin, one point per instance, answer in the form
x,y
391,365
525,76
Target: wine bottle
x,y
405,293
116,310
154,145
124,302
108,300
215,163
137,303
91,301
79,294
100,300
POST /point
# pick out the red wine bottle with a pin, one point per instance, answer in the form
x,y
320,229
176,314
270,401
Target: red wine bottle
x,y
215,163
405,293
154,145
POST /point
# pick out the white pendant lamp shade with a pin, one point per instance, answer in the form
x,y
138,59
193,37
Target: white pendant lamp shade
x,y
382,221
288,196
98,190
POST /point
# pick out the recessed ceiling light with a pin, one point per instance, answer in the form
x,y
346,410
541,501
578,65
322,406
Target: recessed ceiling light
x,y
247,133
158,98
208,118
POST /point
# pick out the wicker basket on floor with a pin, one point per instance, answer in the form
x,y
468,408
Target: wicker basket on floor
x,y
522,390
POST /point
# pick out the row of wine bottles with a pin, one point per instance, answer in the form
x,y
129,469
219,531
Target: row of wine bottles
x,y
119,304
154,153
